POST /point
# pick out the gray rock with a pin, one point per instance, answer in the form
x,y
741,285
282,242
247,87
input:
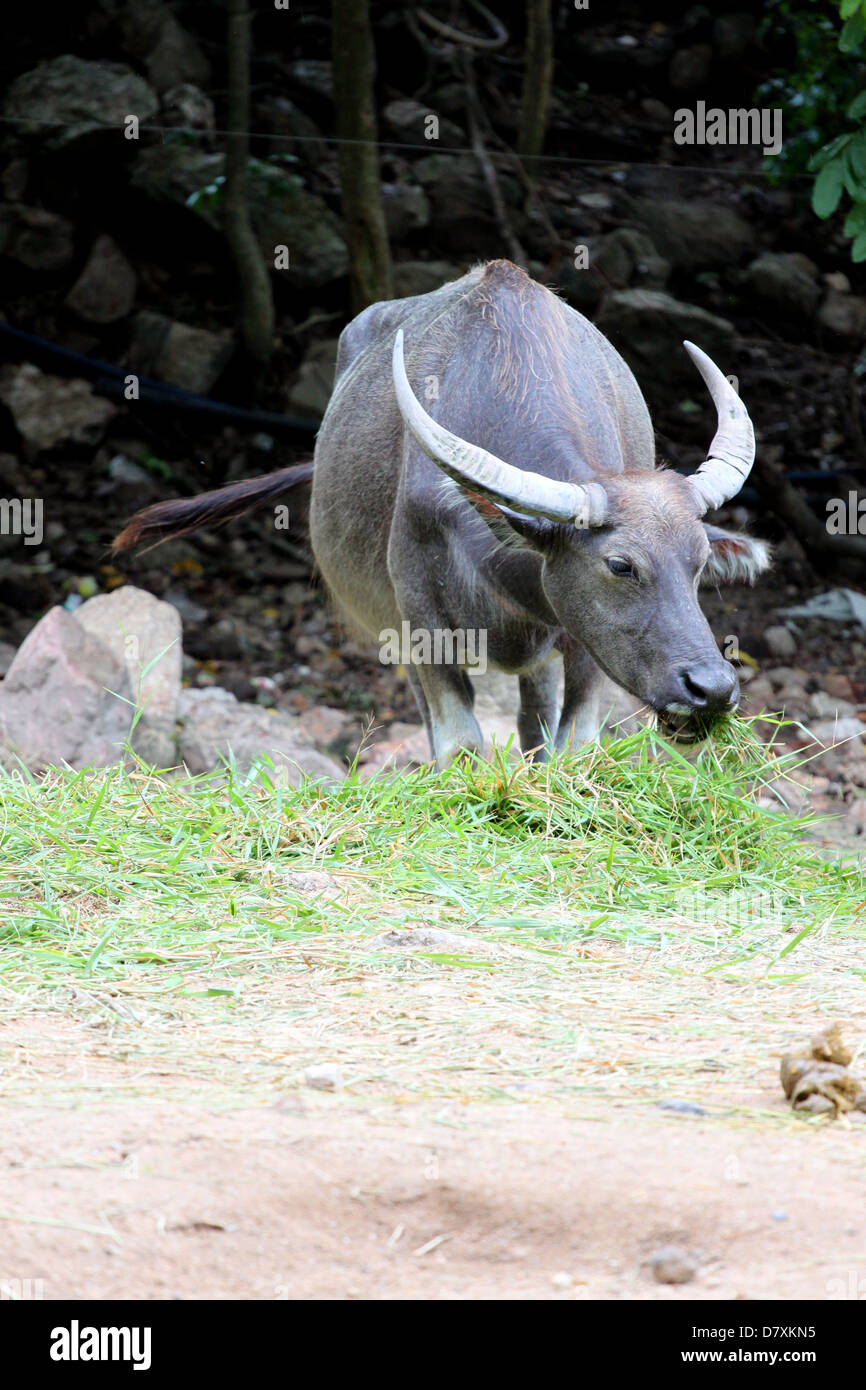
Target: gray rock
x,y
461,212
215,723
177,353
283,212
826,706
405,746
188,106
829,731
7,656
648,328
56,702
627,257
311,390
324,1076
694,234
50,410
780,642
420,277
144,634
313,75
407,208
843,314
673,1265
407,119
35,238
323,724
788,280
682,1107
151,35
689,67
105,290
67,97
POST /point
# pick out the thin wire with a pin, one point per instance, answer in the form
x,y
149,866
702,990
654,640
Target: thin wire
x,y
429,148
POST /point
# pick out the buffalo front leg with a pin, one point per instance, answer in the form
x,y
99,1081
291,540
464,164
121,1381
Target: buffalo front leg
x,y
538,720
451,726
580,721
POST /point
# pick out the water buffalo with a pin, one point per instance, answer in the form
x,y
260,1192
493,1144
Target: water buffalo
x,y
522,500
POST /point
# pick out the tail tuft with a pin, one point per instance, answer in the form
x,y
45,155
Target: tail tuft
x,y
163,520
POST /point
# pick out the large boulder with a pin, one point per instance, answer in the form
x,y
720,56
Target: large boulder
x,y
844,314
50,410
150,33
65,699
144,635
648,328
215,725
35,238
105,290
420,277
694,234
178,353
67,97
627,257
786,280
310,392
283,212
406,208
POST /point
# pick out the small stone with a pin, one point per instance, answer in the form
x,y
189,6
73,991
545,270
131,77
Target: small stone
x,y
324,1076
827,706
780,642
562,1280
779,1215
673,1265
682,1107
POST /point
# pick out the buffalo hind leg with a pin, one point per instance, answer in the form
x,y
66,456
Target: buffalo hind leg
x,y
451,725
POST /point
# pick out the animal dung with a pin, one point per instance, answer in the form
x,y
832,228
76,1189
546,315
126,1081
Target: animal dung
x,y
673,1265
816,1079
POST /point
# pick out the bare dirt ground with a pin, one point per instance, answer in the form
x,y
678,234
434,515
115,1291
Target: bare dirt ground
x,y
525,1157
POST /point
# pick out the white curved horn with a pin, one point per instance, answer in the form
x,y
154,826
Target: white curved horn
x,y
732,452
472,466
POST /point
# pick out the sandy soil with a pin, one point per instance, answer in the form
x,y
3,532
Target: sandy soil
x,y
334,1196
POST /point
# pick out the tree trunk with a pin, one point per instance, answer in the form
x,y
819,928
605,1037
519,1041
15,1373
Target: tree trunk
x,y
358,162
537,78
257,303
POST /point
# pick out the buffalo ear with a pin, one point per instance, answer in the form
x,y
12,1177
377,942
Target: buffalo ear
x,y
734,558
514,528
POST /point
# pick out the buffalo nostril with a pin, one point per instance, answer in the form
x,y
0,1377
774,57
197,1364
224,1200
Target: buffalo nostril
x,y
710,686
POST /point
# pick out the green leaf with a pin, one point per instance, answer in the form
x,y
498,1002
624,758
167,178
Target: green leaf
x,y
826,153
849,7
858,250
855,222
853,32
828,189
856,157
857,107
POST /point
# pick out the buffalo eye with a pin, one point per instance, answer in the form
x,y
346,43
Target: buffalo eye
x,y
620,567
